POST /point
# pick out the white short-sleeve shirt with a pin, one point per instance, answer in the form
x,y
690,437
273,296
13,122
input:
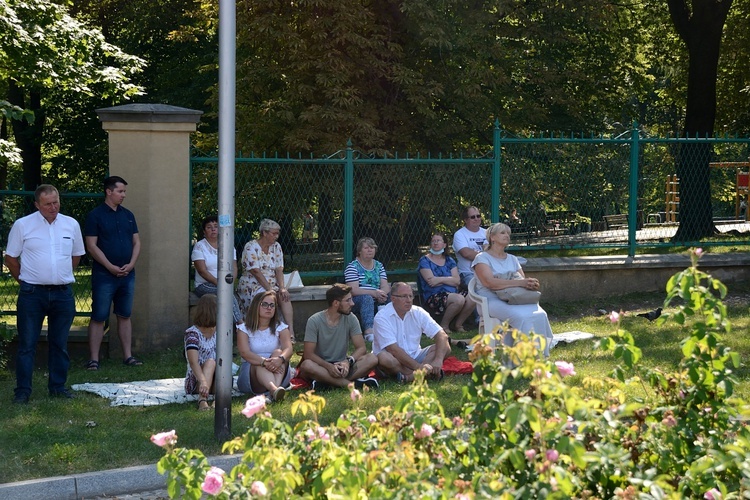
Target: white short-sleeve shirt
x,y
210,255
468,239
389,328
46,250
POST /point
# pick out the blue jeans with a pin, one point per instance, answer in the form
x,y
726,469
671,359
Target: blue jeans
x,y
365,306
34,303
106,289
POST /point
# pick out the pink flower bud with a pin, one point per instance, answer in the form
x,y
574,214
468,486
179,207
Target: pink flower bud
x,y
258,489
669,421
355,395
712,494
614,316
552,455
565,369
426,431
254,405
530,454
164,439
698,252
371,419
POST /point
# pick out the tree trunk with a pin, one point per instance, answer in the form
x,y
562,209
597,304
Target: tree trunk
x,y
28,135
701,30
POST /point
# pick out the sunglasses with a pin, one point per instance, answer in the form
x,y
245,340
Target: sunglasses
x,y
475,217
267,305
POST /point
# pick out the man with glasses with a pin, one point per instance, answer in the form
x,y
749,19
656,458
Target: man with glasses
x,y
468,242
398,330
327,337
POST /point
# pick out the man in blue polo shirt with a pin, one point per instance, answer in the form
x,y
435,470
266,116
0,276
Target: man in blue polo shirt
x,y
112,240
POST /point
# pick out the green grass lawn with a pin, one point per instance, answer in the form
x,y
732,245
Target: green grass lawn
x,y
56,437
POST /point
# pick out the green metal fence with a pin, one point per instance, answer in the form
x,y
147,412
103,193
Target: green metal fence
x,y
619,192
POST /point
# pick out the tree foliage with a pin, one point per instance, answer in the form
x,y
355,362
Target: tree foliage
x,y
43,48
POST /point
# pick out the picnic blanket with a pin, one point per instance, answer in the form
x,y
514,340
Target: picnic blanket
x,y
145,393
568,337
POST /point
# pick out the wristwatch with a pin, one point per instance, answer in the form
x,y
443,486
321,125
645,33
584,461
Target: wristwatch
x,y
282,358
263,362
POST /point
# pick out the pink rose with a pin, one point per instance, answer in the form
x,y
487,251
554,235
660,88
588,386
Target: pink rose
x,y
426,431
355,395
214,481
371,419
254,405
669,421
698,252
712,494
530,454
614,316
565,369
258,489
164,439
552,455
320,433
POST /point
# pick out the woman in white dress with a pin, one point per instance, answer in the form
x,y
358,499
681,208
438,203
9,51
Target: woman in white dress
x,y
495,261
265,345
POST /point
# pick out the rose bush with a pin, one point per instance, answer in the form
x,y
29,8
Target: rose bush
x,y
523,432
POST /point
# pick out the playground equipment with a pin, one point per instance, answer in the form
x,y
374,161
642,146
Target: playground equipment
x,y
672,198
743,179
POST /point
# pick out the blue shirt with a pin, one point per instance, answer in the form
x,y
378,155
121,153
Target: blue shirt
x,y
114,230
437,271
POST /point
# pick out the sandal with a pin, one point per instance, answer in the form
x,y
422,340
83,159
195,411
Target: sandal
x,y
92,365
278,394
203,405
132,361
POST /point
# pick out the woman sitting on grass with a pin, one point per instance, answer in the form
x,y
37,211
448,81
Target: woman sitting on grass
x,y
265,344
200,351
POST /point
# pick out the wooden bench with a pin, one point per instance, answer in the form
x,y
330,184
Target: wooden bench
x,y
618,221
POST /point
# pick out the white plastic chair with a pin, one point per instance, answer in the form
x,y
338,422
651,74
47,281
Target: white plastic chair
x,y
487,324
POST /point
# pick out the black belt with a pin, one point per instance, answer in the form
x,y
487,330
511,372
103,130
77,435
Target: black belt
x,y
52,287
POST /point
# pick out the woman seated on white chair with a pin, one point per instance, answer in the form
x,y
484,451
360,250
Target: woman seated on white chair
x,y
495,261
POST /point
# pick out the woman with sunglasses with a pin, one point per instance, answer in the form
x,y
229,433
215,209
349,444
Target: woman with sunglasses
x,y
265,345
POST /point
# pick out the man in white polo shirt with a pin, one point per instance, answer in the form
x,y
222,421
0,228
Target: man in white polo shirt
x,y
398,330
43,249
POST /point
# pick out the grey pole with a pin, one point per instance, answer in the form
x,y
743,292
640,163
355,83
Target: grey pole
x,y
224,325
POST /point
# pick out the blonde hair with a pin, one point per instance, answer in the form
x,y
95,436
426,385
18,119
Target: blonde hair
x,y
495,228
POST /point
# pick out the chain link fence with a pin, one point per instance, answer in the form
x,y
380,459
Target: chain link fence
x,y
625,193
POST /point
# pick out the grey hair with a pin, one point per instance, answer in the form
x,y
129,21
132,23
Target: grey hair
x,y
494,228
366,240
268,225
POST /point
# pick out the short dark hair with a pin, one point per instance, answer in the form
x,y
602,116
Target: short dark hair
x,y
111,182
208,220
337,292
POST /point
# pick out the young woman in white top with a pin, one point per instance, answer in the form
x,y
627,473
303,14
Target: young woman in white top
x,y
265,344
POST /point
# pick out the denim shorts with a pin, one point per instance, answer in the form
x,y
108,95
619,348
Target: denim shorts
x,y
107,289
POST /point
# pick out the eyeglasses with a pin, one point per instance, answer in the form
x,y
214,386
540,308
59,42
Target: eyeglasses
x,y
475,216
407,297
268,305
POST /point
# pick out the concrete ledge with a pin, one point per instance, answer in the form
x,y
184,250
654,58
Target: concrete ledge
x,y
93,484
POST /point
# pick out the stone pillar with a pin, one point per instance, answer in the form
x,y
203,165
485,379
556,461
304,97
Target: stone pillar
x,y
149,147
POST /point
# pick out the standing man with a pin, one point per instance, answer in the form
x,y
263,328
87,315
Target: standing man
x,y
43,249
468,242
113,242
327,338
398,329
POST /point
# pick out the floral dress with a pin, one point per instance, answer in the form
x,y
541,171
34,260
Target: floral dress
x,y
253,257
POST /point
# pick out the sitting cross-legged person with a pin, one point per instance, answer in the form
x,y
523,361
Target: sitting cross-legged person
x,y
398,329
327,337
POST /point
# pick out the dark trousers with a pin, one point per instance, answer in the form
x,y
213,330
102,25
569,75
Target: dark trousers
x,y
34,303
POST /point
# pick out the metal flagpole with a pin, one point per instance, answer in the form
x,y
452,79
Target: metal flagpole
x,y
224,325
